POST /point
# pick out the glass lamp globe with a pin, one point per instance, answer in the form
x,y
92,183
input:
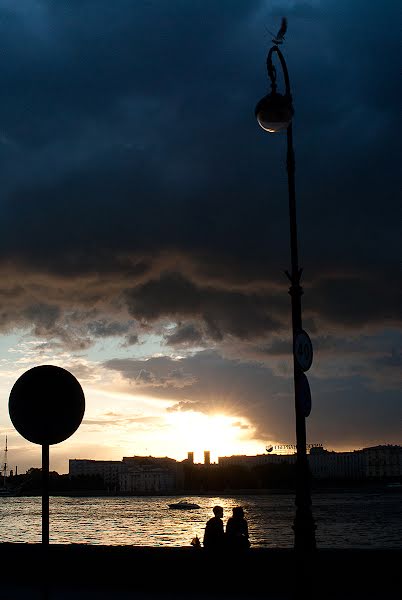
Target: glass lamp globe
x,y
274,112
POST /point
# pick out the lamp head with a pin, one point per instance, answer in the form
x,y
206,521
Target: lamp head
x,y
274,112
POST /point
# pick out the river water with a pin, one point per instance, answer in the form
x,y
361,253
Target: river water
x,y
344,520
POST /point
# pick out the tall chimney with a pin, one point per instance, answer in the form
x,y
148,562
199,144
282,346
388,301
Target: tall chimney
x,y
207,457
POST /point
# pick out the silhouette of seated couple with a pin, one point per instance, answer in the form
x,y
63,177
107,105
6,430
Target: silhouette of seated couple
x,y
234,538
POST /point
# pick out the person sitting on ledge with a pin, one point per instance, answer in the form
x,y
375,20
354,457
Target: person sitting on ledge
x,y
237,531
214,536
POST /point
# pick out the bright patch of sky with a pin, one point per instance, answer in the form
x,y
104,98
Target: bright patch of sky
x,y
116,423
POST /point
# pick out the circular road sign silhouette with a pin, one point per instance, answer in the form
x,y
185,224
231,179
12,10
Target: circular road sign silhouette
x,y
46,404
303,350
303,394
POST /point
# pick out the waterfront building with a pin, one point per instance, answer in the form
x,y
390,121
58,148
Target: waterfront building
x,y
383,461
379,462
325,464
150,474
147,474
133,473
147,479
109,470
258,460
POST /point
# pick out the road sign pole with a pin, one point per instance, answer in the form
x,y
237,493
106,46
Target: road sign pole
x,y
45,494
39,419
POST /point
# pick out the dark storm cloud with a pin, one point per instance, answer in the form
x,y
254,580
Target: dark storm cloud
x,y
108,329
185,335
251,390
393,360
130,340
214,385
42,316
376,357
146,108
137,187
358,299
67,312
134,138
172,379
221,311
345,408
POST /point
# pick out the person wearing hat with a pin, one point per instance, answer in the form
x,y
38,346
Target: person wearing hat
x,y
214,536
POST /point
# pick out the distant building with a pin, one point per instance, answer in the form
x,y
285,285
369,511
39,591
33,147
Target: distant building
x,y
382,461
376,462
133,474
147,474
336,465
254,461
143,474
147,480
109,470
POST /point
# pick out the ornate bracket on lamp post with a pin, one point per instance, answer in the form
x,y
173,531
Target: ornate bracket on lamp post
x,y
274,113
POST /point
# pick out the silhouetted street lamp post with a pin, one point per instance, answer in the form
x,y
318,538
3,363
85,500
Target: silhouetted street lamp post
x,y
274,113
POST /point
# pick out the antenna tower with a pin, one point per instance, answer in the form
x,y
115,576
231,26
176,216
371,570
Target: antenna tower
x,y
5,464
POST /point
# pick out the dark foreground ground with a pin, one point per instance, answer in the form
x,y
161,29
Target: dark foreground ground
x,y
140,573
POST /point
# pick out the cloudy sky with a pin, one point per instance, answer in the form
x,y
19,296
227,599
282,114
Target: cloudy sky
x,y
144,227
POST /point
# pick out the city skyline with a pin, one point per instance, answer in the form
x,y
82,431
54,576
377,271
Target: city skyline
x,y
207,457
144,230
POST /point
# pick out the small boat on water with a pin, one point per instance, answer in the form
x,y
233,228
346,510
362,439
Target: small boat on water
x,y
184,505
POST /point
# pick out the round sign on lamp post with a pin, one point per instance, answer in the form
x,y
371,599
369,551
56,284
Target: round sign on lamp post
x,y
303,350
46,406
303,394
